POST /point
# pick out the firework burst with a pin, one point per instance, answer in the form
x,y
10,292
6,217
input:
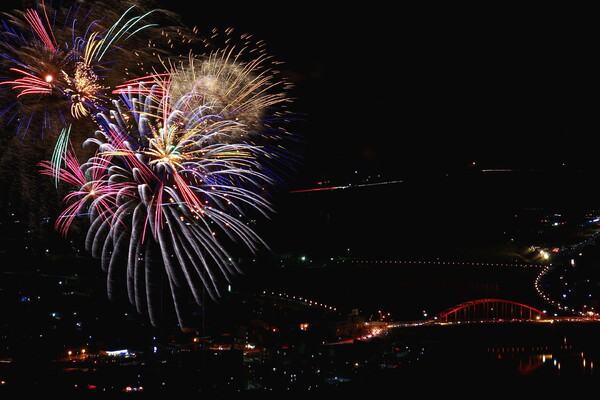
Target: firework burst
x,y
182,161
60,64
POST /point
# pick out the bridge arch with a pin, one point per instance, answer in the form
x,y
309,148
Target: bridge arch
x,y
490,309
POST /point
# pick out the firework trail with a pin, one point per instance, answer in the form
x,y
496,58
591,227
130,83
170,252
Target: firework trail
x,y
182,162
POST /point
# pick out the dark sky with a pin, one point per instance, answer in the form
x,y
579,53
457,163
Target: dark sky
x,y
430,87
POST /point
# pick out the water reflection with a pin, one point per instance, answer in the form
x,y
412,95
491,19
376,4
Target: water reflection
x,y
542,361
545,353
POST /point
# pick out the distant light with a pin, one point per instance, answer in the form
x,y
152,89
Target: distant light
x,y
122,352
49,78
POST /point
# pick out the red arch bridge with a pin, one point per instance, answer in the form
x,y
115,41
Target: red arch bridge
x,y
490,310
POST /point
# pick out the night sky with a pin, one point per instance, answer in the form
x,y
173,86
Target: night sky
x,y
428,88
423,91
434,88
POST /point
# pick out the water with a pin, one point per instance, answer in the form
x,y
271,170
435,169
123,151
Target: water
x,y
536,352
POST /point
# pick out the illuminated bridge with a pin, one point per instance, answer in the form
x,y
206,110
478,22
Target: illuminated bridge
x,y
490,310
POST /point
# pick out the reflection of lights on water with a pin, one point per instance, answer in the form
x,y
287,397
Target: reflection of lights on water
x,y
545,357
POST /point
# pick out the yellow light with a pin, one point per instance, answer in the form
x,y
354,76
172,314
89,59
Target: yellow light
x,y
49,78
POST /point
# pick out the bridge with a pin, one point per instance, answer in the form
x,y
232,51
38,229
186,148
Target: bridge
x,y
490,310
